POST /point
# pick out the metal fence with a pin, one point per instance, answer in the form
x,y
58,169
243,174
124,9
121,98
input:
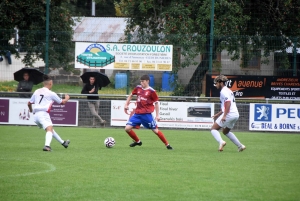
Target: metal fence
x,y
85,118
270,59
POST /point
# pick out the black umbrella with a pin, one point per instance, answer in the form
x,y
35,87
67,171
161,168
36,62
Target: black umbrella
x,y
101,79
35,75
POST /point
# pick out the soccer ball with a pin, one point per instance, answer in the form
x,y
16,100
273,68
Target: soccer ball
x,y
109,142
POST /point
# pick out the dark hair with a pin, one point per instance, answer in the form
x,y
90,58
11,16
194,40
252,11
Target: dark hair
x,y
145,77
46,78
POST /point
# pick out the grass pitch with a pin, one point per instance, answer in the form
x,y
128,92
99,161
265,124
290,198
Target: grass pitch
x,y
267,170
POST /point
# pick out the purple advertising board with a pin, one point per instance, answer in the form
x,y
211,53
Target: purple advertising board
x,y
64,114
4,108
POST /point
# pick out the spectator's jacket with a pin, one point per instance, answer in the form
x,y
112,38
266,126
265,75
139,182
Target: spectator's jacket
x,y
25,86
87,87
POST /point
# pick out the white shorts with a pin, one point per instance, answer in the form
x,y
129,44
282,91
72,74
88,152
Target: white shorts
x,y
229,121
42,119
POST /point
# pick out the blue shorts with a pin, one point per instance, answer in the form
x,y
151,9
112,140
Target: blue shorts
x,y
146,120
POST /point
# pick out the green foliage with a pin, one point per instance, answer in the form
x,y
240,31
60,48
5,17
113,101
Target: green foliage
x,y
194,170
29,18
242,28
8,86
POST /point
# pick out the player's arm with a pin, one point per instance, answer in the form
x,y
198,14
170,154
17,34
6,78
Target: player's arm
x,y
29,106
217,115
58,100
156,107
155,100
128,101
65,100
227,105
30,102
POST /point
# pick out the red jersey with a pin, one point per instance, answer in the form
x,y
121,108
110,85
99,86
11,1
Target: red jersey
x,y
145,99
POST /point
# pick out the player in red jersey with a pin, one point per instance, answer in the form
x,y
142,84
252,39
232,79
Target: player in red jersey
x,y
146,103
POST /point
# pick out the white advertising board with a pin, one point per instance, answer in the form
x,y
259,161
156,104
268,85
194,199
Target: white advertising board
x,y
117,56
274,117
172,114
19,112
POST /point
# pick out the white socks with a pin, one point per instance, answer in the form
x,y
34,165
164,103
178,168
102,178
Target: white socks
x,y
234,139
57,137
48,138
217,136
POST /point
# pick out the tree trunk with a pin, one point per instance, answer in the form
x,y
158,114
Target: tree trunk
x,y
194,87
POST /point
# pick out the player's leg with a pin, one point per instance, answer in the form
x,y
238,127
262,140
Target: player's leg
x,y
48,138
149,122
61,141
43,120
216,134
162,138
133,122
226,131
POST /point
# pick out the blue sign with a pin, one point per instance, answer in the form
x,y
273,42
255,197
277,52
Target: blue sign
x,y
263,112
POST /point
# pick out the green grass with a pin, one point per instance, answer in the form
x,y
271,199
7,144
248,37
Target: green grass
x,y
11,86
267,170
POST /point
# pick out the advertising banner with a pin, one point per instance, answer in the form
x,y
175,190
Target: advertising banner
x,y
274,117
117,56
274,87
19,113
4,113
15,111
283,88
65,115
172,114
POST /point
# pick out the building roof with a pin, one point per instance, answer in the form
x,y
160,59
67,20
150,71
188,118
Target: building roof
x,y
100,29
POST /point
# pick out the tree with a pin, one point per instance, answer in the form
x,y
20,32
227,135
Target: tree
x,y
29,17
238,26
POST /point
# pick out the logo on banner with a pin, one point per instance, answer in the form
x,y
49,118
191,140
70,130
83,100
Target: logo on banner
x,y
263,112
95,55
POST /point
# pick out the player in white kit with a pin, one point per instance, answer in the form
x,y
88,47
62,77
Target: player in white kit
x,y
228,115
43,99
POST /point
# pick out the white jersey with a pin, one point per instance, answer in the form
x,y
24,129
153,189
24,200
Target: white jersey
x,y
43,99
227,95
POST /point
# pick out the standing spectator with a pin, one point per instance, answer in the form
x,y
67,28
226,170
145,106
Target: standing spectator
x,y
146,103
227,117
92,88
43,99
25,86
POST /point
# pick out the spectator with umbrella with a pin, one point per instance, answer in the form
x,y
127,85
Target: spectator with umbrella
x,y
27,77
94,82
25,86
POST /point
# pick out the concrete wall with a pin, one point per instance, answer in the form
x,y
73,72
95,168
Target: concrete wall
x,y
230,67
7,70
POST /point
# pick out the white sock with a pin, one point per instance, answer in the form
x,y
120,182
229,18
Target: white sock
x,y
48,138
234,139
217,136
57,137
